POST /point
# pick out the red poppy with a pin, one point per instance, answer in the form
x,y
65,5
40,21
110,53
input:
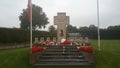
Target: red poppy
x,y
49,43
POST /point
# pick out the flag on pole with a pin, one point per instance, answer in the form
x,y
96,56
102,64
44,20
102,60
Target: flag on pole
x,y
30,20
29,10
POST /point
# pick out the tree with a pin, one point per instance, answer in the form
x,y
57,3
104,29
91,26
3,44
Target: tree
x,y
93,27
72,29
85,28
52,29
116,27
39,18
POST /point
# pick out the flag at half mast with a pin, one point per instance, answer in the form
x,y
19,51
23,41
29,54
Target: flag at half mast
x,y
29,10
30,20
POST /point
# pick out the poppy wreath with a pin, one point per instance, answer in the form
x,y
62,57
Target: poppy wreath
x,y
88,49
73,43
81,48
49,43
65,43
37,49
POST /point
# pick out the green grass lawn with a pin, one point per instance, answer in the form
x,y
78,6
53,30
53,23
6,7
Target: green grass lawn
x,y
108,57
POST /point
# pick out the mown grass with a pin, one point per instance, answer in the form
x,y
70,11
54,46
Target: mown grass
x,y
108,57
15,58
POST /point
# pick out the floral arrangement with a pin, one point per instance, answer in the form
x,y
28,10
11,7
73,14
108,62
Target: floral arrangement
x,y
36,48
66,42
88,49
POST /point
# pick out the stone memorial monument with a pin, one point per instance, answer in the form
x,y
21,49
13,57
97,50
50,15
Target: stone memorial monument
x,y
86,40
42,39
61,20
81,41
48,39
54,39
36,40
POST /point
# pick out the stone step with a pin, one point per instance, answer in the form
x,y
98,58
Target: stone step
x,y
58,50
61,63
61,48
70,47
71,50
66,46
53,47
54,55
62,60
61,53
62,57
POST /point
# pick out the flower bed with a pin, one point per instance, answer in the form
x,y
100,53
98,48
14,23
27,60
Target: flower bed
x,y
37,49
88,49
88,53
66,42
49,43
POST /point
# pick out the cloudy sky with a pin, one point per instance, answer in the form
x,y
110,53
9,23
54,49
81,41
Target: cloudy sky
x,y
81,12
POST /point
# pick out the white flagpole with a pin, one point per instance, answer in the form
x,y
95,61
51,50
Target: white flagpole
x,y
31,24
98,25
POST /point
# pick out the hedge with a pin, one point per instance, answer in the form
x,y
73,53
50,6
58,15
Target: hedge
x,y
15,35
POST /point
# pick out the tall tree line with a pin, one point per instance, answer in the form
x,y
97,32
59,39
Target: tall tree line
x,y
111,32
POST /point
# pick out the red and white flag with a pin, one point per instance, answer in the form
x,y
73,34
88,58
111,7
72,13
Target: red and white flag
x,y
29,11
30,20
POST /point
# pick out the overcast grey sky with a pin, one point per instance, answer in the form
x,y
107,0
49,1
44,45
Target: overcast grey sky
x,y
81,12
